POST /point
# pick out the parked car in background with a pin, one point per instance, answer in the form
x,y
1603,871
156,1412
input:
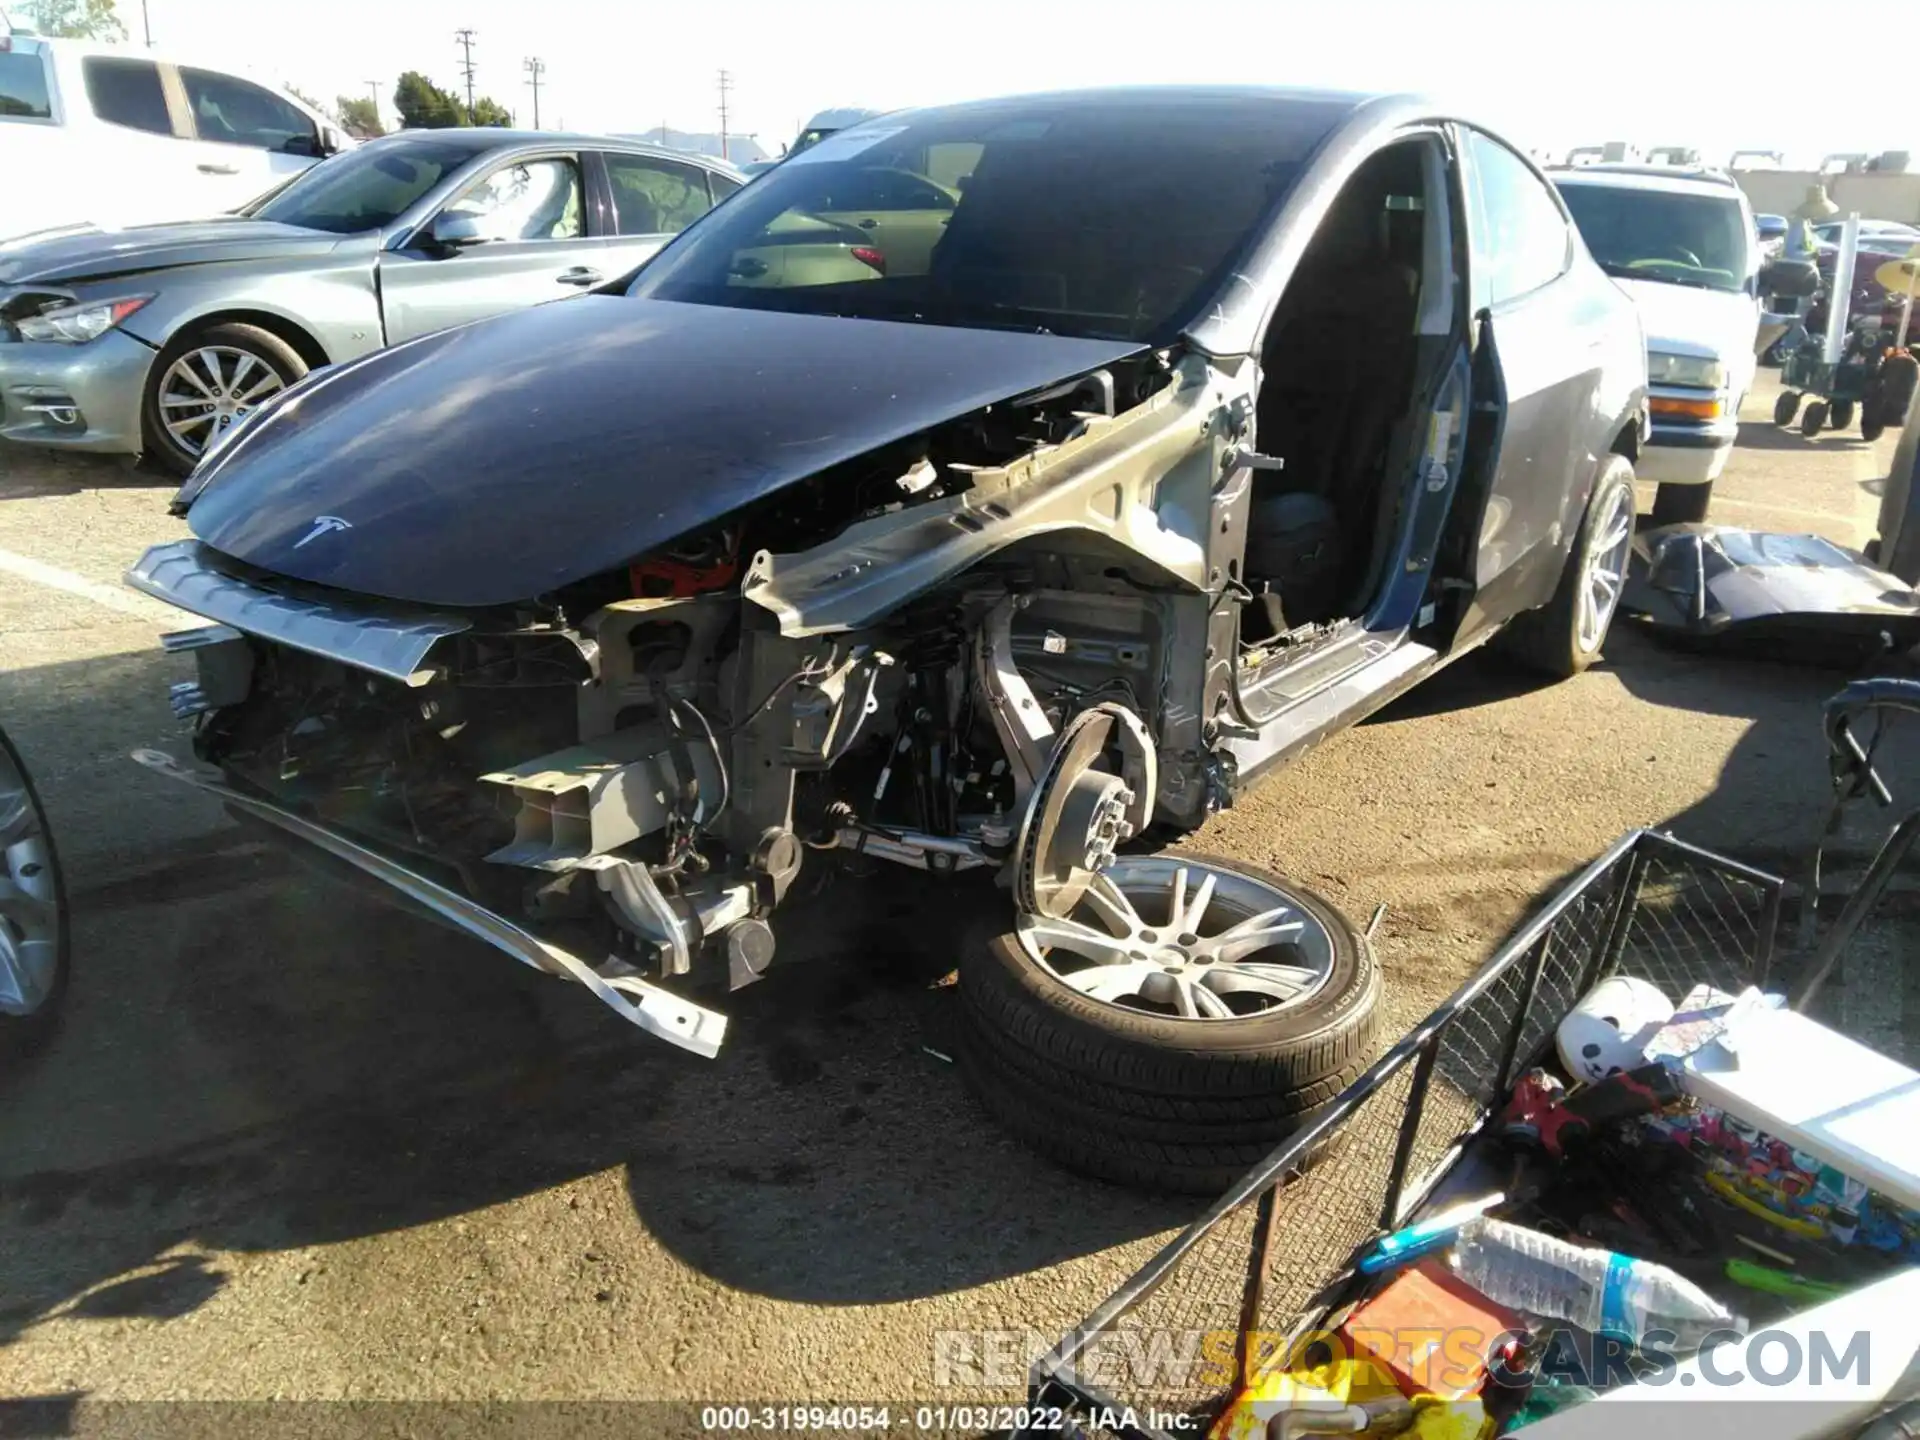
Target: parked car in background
x,y
1206,424
1683,244
826,123
158,338
117,136
1880,241
1888,232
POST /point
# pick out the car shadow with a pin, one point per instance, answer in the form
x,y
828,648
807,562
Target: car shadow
x,y
253,1059
1484,677
1764,435
28,472
1772,794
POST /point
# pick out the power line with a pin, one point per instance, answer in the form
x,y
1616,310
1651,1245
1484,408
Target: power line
x,y
464,39
726,88
535,68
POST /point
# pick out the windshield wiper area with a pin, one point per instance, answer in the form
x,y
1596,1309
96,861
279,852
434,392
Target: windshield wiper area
x,y
1658,277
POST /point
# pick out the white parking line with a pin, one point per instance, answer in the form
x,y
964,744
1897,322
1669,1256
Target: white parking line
x,y
109,597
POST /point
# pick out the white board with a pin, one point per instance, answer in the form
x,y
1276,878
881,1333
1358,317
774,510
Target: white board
x,y
1820,1092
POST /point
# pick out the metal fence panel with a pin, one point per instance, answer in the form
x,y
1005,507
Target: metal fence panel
x,y
1273,1256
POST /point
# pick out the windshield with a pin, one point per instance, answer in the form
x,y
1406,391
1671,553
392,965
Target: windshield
x,y
1111,219
362,189
1698,240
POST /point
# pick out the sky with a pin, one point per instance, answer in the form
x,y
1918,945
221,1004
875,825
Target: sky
x,y
1550,73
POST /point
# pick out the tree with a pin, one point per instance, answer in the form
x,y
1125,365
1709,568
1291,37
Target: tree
x,y
488,111
77,19
423,105
360,115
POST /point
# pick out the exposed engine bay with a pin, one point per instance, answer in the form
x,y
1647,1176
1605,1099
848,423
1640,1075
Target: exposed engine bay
x,y
633,770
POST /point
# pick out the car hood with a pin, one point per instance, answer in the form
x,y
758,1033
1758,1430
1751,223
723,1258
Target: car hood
x,y
495,462
92,253
1687,320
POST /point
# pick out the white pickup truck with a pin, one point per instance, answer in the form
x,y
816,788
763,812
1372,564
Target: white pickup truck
x,y
117,136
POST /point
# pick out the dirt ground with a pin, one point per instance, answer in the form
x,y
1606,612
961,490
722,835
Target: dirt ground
x,y
292,1144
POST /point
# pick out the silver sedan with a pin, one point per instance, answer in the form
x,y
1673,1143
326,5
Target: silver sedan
x,y
157,338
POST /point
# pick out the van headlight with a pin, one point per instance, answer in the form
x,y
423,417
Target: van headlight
x,y
1665,369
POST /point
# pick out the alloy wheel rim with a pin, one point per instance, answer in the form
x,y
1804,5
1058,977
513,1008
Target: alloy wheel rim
x,y
1606,569
1185,939
29,897
207,390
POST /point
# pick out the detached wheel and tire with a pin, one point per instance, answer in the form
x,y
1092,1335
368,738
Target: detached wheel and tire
x,y
33,914
1184,1018
204,381
1813,419
1786,407
1564,636
1840,414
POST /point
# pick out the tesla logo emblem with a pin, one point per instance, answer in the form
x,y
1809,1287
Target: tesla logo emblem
x,y
323,525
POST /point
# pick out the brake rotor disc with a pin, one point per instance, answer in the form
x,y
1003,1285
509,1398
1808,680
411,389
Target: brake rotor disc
x,y
1080,812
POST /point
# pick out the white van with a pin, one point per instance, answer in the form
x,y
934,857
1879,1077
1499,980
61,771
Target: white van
x,y
118,136
1682,243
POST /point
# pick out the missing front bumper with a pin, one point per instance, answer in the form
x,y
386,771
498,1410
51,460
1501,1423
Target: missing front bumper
x,y
657,1011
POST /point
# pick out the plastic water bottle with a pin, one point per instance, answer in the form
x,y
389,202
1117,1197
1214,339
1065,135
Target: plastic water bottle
x,y
1597,1290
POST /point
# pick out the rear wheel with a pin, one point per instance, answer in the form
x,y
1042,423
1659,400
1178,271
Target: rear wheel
x,y
33,913
1564,636
1184,1018
1786,407
1813,419
208,379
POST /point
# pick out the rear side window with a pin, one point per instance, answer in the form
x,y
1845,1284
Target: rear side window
x,y
127,92
655,197
237,112
1520,237
23,88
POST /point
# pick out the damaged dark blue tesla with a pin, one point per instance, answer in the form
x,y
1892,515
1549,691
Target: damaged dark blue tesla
x,y
970,492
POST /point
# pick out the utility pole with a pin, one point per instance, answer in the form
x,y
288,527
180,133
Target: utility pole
x,y
535,68
146,24
726,88
464,39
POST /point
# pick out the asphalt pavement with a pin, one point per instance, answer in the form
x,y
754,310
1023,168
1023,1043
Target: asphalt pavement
x,y
291,1143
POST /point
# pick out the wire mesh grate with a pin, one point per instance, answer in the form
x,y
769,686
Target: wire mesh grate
x,y
1179,1337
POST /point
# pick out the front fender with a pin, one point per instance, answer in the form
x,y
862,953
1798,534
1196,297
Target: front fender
x,y
332,300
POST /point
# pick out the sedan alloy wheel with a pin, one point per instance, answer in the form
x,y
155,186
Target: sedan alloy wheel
x,y
208,389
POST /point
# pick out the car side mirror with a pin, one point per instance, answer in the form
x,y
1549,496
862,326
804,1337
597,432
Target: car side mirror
x,y
329,140
453,231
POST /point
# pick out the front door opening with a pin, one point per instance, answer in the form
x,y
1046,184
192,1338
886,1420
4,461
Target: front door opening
x,y
1340,367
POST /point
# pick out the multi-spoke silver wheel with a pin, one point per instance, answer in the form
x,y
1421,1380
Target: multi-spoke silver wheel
x,y
208,389
1183,937
31,923
1605,567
